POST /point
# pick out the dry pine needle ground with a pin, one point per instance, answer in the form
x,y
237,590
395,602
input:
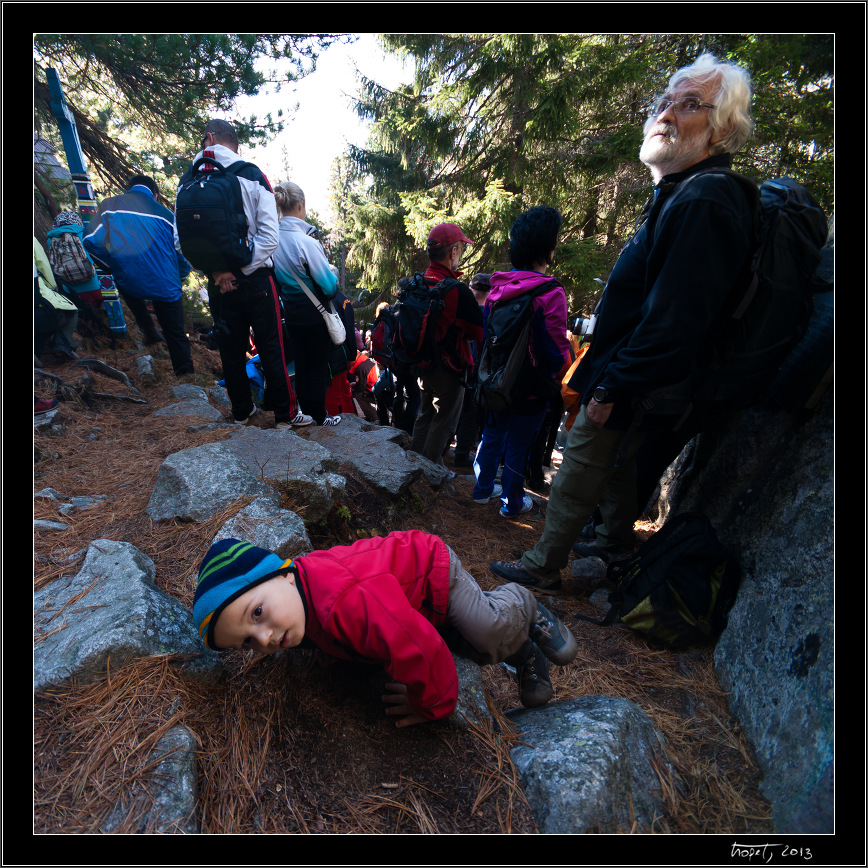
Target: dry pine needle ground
x,y
324,759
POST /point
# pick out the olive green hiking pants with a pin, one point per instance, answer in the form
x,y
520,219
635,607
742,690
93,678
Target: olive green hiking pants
x,y
587,478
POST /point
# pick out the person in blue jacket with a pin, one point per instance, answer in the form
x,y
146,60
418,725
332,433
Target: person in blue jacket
x,y
133,236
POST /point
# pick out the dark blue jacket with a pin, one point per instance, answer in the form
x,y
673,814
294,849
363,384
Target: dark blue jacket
x,y
133,235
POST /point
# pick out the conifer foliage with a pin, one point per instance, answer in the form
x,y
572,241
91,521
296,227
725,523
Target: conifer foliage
x,y
493,124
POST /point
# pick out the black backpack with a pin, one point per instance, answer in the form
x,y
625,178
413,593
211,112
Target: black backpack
x,y
419,306
209,214
678,587
383,338
769,315
504,374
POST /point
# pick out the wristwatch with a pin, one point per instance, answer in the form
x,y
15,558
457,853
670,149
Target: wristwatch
x,y
602,395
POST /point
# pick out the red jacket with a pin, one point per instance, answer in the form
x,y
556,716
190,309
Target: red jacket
x,y
380,601
459,323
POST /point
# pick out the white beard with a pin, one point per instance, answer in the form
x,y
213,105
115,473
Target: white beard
x,y
670,152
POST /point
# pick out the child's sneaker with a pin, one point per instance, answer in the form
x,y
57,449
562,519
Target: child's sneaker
x,y
534,685
495,492
526,506
553,637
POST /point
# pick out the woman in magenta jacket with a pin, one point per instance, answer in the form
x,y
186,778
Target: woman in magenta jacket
x,y
510,434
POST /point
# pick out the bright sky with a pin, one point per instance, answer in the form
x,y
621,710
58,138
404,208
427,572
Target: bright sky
x,y
324,123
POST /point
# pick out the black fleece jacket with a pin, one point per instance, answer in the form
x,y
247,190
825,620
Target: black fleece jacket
x,y
667,288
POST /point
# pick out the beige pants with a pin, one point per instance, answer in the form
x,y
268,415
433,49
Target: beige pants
x,y
494,624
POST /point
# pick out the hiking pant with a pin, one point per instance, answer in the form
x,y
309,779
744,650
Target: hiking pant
x,y
405,407
252,305
588,477
492,625
467,434
170,316
442,395
510,436
311,347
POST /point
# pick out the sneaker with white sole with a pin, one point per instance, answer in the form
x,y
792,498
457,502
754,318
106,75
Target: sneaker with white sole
x,y
247,419
526,506
495,492
301,420
331,421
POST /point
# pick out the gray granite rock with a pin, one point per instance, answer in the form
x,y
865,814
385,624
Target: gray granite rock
x,y
266,525
168,802
109,613
586,765
195,484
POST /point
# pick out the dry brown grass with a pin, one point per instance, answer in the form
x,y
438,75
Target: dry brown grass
x,y
284,753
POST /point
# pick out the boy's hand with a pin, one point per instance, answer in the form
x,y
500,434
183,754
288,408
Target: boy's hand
x,y
400,705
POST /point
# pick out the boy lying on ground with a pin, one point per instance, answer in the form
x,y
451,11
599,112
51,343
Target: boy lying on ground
x,y
395,601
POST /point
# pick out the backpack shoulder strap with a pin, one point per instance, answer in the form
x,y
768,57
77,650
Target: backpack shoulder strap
x,y
750,187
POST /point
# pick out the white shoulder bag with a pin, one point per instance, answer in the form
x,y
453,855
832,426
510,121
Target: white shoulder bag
x,y
333,321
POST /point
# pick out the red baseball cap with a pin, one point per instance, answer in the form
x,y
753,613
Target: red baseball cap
x,y
446,234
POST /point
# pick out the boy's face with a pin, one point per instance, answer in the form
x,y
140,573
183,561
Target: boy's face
x,y
267,618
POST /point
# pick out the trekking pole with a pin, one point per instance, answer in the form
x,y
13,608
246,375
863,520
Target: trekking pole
x,y
85,199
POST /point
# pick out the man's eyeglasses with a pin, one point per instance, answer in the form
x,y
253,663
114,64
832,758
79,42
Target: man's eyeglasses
x,y
687,105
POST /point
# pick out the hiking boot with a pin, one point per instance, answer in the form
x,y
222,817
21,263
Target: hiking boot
x,y
553,637
589,532
540,486
607,554
514,571
534,685
495,492
526,506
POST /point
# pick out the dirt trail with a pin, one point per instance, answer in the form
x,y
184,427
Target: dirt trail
x,y
289,749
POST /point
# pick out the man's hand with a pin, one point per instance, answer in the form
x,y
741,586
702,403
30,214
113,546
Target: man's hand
x,y
599,413
400,705
224,281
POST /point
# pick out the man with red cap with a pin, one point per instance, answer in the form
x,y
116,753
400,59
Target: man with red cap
x,y
459,323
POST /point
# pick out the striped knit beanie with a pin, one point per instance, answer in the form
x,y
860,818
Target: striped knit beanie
x,y
230,568
68,218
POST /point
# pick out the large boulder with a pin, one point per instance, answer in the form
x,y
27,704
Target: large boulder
x,y
765,479
109,613
377,453
195,484
304,468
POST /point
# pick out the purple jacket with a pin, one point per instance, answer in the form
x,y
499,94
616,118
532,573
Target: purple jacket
x,y
548,347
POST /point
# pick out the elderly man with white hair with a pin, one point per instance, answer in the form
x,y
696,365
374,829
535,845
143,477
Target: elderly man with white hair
x,y
663,298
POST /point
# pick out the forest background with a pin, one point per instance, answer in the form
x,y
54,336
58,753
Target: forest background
x,y
491,125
